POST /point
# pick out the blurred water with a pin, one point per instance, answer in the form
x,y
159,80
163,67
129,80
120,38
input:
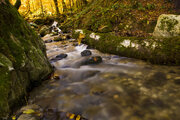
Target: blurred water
x,y
120,88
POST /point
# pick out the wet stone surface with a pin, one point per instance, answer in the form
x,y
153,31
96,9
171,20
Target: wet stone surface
x,y
117,88
86,53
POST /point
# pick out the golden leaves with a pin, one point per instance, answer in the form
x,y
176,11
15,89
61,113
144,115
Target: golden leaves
x,y
81,36
73,116
29,111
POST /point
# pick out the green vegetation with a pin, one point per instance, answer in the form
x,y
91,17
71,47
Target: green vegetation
x,y
125,17
170,23
157,51
20,52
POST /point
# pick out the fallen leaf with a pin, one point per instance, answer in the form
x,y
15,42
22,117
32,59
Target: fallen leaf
x,y
29,111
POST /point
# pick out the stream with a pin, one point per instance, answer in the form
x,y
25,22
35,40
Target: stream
x,y
118,88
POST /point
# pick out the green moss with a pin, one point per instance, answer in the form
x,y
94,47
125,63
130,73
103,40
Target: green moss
x,y
157,51
170,23
22,58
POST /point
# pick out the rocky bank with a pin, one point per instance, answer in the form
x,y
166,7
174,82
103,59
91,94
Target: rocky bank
x,y
23,62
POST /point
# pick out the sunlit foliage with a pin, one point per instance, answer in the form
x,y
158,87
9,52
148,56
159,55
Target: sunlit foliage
x,y
47,7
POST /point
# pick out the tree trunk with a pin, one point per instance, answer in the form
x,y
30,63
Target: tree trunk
x,y
57,9
42,9
64,6
17,4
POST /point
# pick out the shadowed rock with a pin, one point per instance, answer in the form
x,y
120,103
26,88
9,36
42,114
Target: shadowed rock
x,y
86,53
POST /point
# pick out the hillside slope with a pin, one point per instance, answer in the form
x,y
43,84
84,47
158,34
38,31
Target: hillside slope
x,y
123,17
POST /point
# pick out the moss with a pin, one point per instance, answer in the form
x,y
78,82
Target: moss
x,y
22,58
126,18
170,23
157,51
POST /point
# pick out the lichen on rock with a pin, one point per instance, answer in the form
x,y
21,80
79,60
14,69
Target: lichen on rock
x,y
167,26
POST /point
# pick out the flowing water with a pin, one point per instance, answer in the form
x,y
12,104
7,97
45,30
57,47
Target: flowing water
x,y
119,88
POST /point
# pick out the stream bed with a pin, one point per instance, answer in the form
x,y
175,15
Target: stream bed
x,y
118,88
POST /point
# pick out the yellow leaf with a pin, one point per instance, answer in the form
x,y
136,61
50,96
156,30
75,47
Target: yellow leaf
x,y
14,117
95,59
79,41
116,96
148,22
81,36
78,117
38,114
71,116
29,111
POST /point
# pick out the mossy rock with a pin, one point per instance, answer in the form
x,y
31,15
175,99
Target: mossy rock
x,y
167,26
23,60
44,30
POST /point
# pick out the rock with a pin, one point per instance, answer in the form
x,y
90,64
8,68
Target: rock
x,y
62,37
33,25
44,30
27,117
56,30
89,47
167,26
86,53
92,60
59,57
32,106
48,41
54,114
68,37
54,33
30,112
23,60
115,56
75,44
58,38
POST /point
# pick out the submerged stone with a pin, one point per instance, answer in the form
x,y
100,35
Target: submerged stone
x,y
86,53
59,57
92,60
48,41
44,30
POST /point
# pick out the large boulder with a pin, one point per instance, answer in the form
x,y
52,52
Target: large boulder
x,y
23,61
168,25
44,30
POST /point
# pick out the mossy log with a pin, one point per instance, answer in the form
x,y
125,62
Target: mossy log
x,y
154,50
